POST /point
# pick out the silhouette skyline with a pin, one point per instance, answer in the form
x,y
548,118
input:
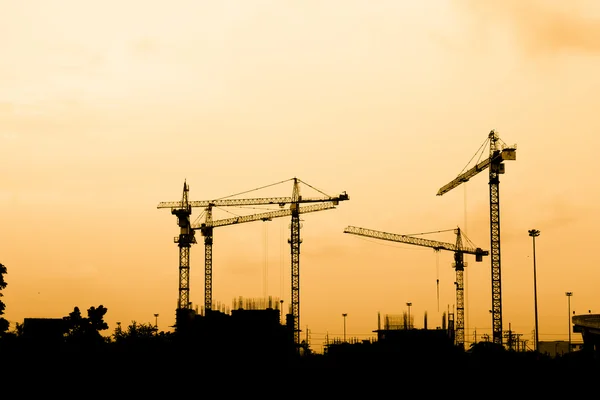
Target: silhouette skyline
x,y
106,109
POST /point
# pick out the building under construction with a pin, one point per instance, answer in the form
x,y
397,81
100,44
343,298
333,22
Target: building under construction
x,y
399,340
251,328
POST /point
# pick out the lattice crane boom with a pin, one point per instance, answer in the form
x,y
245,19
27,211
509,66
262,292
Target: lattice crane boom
x,y
281,201
504,154
394,237
266,216
498,153
459,264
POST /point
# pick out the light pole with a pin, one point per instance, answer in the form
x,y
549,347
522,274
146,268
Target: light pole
x,y
344,315
569,294
156,321
409,304
535,233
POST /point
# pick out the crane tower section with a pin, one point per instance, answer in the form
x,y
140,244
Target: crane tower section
x,y
184,241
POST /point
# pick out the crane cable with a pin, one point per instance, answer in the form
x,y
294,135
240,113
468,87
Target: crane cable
x,y
466,280
281,266
266,261
271,185
437,280
480,151
252,190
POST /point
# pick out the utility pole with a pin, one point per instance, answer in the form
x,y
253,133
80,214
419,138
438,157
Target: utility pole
x,y
281,311
569,294
307,336
535,233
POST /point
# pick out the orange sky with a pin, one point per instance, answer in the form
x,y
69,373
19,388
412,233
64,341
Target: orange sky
x,y
106,108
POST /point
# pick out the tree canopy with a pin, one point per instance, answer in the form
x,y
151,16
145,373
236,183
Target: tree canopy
x,y
82,330
4,324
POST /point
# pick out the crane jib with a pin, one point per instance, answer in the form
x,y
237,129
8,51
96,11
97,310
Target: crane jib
x,y
478,252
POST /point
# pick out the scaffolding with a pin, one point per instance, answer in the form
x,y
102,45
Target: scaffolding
x,y
260,303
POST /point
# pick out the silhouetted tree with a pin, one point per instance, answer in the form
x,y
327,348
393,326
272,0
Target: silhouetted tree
x,y
145,331
3,322
86,331
18,329
136,334
96,318
118,334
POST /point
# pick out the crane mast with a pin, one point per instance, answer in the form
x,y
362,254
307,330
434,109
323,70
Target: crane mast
x,y
494,163
459,264
494,190
207,232
459,267
294,242
186,238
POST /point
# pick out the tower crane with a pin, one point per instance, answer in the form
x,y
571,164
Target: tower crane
x,y
498,152
183,209
459,251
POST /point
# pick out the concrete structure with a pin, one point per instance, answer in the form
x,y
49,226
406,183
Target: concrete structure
x,y
589,327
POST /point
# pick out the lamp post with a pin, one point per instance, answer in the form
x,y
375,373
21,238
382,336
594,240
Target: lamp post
x,y
344,315
569,294
409,304
535,233
156,321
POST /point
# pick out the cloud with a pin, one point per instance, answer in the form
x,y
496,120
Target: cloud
x,y
558,213
6,108
545,27
145,47
81,271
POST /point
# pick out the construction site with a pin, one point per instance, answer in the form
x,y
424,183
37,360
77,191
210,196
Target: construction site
x,y
262,323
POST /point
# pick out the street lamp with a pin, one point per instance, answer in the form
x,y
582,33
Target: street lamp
x,y
535,233
569,294
156,321
409,304
344,315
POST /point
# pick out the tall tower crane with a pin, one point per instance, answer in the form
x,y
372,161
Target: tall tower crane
x,y
459,251
498,152
182,209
